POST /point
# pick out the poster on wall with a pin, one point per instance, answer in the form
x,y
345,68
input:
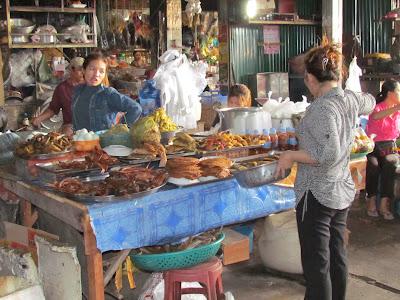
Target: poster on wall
x,y
272,41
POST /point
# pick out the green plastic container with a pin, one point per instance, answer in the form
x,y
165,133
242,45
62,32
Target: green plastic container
x,y
116,139
177,260
358,155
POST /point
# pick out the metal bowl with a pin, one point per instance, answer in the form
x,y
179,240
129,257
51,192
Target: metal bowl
x,y
47,38
21,26
20,39
258,176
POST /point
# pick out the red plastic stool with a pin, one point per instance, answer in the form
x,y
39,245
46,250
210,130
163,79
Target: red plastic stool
x,y
208,274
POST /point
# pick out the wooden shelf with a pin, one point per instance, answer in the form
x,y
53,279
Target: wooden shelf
x,y
40,46
276,22
90,11
51,9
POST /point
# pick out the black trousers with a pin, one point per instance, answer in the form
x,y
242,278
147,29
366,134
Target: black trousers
x,y
381,169
323,253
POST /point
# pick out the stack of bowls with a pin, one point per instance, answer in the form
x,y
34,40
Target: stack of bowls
x,y
21,26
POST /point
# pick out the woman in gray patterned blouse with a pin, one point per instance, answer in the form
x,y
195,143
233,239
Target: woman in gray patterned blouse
x,y
324,188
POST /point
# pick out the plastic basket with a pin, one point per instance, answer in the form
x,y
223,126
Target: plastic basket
x,y
179,259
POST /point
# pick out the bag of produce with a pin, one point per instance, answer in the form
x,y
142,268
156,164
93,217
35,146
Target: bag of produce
x,y
117,135
362,143
145,130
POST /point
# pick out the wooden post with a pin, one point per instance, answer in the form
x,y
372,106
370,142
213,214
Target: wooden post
x,y
29,215
2,99
174,24
94,262
332,19
223,37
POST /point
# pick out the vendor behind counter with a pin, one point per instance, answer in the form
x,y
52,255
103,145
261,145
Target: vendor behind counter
x,y
95,106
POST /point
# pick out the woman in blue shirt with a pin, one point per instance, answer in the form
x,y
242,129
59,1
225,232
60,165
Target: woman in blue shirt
x,y
94,105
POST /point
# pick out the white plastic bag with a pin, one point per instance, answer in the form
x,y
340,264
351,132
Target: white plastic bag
x,y
282,254
23,65
301,107
180,83
353,82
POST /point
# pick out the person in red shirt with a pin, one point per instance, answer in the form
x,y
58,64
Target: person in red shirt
x,y
62,98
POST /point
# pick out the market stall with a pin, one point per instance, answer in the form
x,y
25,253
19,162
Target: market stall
x,y
163,217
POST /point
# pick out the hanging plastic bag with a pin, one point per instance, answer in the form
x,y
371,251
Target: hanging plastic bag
x,y
180,83
43,70
353,82
22,68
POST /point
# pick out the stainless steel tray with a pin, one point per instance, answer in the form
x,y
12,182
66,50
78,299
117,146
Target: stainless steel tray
x,y
259,175
199,182
47,155
52,167
213,152
102,199
137,161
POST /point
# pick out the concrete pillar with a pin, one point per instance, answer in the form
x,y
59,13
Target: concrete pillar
x,y
332,19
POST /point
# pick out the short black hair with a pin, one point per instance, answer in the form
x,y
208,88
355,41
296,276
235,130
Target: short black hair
x,y
390,85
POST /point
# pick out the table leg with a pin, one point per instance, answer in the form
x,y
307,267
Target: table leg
x,y
29,215
94,262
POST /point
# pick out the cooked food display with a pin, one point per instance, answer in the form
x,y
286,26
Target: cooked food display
x,y
184,167
217,167
124,181
182,142
224,140
96,158
53,142
150,150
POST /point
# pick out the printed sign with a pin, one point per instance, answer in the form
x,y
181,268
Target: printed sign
x,y
272,42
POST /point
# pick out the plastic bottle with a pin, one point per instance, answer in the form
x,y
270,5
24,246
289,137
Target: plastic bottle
x,y
267,145
293,144
283,139
274,138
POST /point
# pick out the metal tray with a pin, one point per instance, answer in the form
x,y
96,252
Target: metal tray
x,y
101,199
199,182
259,175
47,155
52,167
49,172
137,161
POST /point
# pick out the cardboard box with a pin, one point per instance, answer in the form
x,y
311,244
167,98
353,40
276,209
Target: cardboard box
x,y
246,230
23,238
235,247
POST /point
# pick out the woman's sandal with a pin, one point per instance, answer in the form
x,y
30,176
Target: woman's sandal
x,y
373,213
387,215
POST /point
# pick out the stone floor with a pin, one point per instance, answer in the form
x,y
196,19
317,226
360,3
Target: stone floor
x,y
374,265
